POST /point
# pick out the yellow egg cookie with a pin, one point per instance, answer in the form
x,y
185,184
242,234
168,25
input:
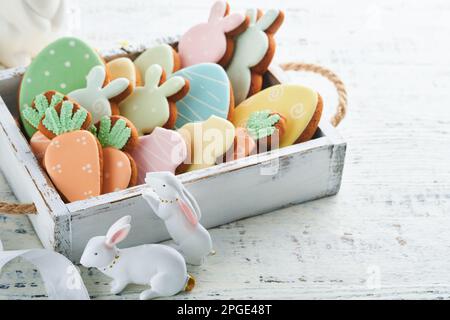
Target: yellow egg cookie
x,y
295,103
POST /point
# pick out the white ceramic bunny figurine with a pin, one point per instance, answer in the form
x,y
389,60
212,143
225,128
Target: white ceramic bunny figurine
x,y
170,201
94,98
27,26
161,267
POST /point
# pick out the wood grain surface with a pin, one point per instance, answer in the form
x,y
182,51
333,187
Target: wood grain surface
x,y
386,234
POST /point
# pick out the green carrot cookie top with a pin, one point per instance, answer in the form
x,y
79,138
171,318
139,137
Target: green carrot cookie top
x,y
261,124
70,118
109,135
33,115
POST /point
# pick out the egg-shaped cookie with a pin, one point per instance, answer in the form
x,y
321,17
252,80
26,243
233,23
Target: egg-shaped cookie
x,y
62,66
298,105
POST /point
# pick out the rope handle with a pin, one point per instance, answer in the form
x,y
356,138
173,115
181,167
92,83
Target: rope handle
x,y
332,77
18,209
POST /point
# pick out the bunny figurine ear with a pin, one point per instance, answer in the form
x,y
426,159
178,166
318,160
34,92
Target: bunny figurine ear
x,y
118,231
218,11
188,212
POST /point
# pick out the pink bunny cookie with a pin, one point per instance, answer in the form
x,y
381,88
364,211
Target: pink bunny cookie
x,y
163,150
212,41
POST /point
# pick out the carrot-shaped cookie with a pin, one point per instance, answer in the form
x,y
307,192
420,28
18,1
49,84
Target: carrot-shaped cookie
x,y
73,159
117,134
33,116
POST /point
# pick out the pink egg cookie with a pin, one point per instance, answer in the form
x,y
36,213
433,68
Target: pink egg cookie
x,y
163,150
212,41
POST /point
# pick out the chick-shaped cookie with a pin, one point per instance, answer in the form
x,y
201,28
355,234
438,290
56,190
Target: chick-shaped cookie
x,y
95,98
153,105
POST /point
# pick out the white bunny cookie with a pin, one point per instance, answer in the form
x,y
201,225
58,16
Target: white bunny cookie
x,y
212,41
27,26
158,266
94,98
153,105
174,204
255,49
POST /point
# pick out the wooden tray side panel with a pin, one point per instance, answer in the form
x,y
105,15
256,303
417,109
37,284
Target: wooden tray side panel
x,y
30,185
224,198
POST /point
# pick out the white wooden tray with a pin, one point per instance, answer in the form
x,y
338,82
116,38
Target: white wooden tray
x,y
226,193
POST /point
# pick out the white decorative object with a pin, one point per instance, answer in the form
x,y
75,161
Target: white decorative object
x,y
179,210
94,98
226,193
60,276
159,266
27,26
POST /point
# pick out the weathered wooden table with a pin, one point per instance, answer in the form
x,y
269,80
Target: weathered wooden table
x,y
386,234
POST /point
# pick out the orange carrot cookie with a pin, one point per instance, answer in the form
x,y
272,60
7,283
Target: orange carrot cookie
x,y
73,159
119,169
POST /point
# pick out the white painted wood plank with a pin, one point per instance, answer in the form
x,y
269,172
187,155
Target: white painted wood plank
x,y
391,215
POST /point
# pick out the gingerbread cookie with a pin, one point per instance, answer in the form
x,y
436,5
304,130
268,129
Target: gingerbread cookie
x,y
212,41
267,128
243,146
153,105
61,66
210,94
163,150
94,97
164,55
115,135
73,159
255,49
207,141
300,107
124,68
33,116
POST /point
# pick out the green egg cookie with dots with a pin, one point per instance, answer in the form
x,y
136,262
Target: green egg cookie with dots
x,y
62,66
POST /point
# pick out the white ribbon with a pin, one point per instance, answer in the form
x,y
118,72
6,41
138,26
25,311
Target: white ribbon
x,y
61,278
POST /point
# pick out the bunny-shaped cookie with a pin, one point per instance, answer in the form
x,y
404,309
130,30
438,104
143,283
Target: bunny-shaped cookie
x,y
153,105
212,41
255,49
94,97
173,203
159,266
26,26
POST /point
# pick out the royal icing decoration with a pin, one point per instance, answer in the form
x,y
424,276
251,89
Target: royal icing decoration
x,y
243,146
209,94
251,48
163,150
163,55
73,159
297,104
261,124
207,42
39,144
208,141
26,26
34,114
94,98
62,66
149,107
117,165
124,68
